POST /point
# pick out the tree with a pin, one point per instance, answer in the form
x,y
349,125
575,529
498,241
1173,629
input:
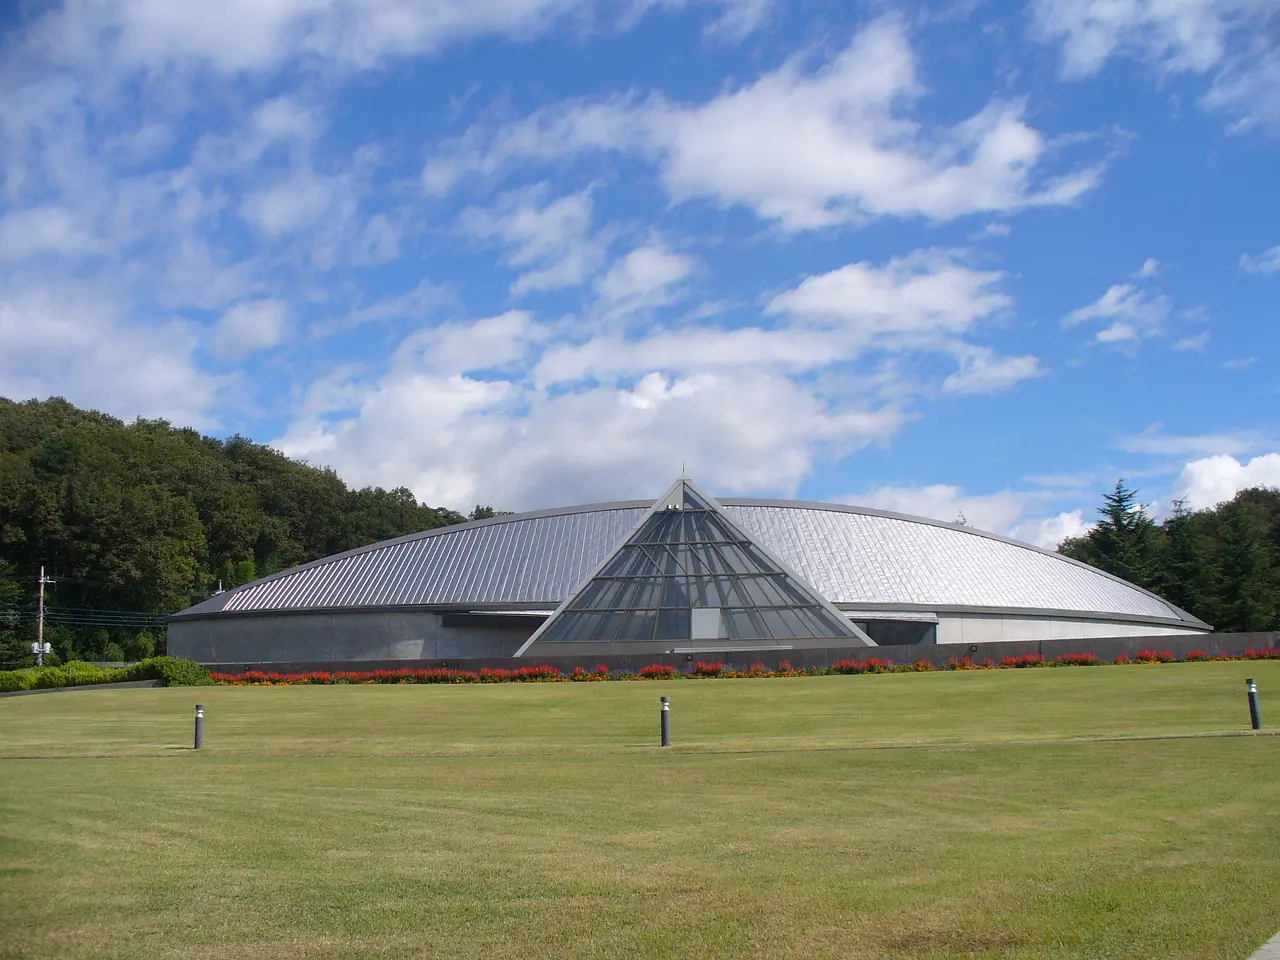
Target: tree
x,y
1125,542
1249,592
1187,572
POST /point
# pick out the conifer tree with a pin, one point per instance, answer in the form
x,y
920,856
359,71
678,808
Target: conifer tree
x,y
1126,542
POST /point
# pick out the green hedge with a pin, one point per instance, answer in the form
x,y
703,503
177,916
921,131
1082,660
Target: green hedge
x,y
171,671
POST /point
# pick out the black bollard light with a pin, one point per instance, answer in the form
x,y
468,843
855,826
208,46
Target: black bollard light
x,y
199,725
666,722
1255,712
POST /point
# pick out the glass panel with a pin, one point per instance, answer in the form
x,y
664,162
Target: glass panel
x,y
637,625
631,561
673,625
654,529
692,500
675,593
712,527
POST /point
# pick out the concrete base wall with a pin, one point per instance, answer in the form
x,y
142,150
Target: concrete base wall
x,y
1104,648
339,637
979,628
417,635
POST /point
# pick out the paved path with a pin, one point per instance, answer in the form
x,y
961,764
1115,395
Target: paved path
x,y
1269,950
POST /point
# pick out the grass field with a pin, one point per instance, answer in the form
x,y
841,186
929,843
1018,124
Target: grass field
x,y
1014,813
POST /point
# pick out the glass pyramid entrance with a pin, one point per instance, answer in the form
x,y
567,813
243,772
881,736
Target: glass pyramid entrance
x,y
688,575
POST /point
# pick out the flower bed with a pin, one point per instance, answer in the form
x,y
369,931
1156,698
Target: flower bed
x,y
703,670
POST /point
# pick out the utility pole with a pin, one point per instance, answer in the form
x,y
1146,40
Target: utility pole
x,y
41,648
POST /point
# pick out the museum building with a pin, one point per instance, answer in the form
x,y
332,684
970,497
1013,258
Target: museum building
x,y
685,574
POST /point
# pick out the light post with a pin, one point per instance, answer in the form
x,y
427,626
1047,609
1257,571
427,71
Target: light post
x,y
40,649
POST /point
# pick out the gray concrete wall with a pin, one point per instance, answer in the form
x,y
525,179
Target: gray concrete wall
x,y
339,637
1104,648
987,628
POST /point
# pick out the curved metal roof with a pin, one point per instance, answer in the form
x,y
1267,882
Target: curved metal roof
x,y
856,557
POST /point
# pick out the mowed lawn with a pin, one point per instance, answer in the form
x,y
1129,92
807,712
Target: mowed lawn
x,y
1014,813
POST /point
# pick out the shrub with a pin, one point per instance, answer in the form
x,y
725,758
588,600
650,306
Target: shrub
x,y
171,671
870,665
1266,653
963,663
1122,659
1026,660
1197,655
1077,660
704,669
1154,656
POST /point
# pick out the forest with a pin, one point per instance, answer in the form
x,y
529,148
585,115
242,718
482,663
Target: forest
x,y
134,521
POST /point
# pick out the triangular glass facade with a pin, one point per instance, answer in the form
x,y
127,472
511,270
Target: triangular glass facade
x,y
689,574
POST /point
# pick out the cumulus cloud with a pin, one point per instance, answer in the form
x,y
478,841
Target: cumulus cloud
x,y
614,408
804,149
1211,480
443,433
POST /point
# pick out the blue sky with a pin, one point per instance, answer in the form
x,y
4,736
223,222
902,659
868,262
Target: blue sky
x,y
982,258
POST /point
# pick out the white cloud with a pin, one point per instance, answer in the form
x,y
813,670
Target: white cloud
x,y
1134,313
1150,267
71,339
551,241
1197,343
1211,480
1153,441
993,229
645,277
262,35
925,295
1233,40
1266,262
249,327
1004,512
41,230
299,200
441,433
1048,532
982,371
614,409
804,149
1239,363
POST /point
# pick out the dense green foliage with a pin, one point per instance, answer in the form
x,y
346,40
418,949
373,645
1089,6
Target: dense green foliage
x,y
170,671
145,519
1220,564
